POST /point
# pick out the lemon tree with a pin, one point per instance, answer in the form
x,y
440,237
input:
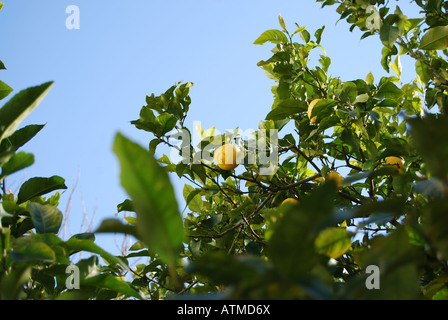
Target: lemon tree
x,y
359,177
339,176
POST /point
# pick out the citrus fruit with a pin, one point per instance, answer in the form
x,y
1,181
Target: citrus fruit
x,y
336,177
290,200
225,156
395,162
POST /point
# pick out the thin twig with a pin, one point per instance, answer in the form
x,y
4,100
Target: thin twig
x,y
250,217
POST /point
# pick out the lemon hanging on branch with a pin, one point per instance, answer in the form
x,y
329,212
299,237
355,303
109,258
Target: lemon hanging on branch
x,y
291,201
395,162
336,177
226,157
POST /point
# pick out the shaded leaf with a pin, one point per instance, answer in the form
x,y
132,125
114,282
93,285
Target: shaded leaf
x,y
30,249
23,135
39,186
46,218
17,162
85,242
108,281
429,137
159,222
291,247
286,108
113,225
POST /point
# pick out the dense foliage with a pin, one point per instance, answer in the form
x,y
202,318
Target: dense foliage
x,y
237,238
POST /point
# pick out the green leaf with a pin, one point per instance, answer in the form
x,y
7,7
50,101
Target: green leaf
x,y
430,141
146,121
165,123
349,91
386,54
153,145
39,186
388,35
31,249
435,224
389,90
318,34
323,108
126,205
282,22
442,294
12,284
46,218
2,66
291,246
370,79
108,281
17,162
396,66
19,107
238,269
286,108
192,198
349,138
423,71
397,260
333,242
305,35
159,222
85,242
5,90
23,135
199,172
435,39
274,36
113,225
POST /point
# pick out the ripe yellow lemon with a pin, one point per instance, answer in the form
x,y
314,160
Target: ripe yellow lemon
x,y
290,200
225,157
310,109
395,162
336,177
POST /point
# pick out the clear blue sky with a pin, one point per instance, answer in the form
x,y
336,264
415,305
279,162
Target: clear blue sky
x,y
125,50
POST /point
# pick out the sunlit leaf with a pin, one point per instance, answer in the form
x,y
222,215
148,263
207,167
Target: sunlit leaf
x,y
333,242
435,39
19,107
274,36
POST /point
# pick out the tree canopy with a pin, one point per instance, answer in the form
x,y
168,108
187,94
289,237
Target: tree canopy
x,y
340,193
